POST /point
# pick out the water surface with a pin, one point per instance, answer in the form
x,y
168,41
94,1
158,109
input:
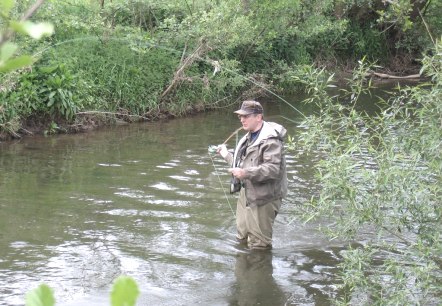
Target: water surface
x,y
145,200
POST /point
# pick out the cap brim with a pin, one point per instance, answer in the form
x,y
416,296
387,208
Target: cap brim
x,y
242,112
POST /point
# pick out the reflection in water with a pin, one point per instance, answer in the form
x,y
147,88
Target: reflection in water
x,y
255,284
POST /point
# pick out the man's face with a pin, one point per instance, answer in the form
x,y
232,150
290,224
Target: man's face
x,y
251,122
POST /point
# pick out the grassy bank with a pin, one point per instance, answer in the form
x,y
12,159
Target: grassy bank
x,y
144,60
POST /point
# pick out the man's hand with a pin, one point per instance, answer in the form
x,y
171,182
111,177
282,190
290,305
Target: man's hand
x,y
222,150
239,173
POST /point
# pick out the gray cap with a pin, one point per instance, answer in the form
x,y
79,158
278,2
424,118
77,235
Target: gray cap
x,y
250,107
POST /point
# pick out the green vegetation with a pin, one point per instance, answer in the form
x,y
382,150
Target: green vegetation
x,y
139,60
393,196
124,293
143,59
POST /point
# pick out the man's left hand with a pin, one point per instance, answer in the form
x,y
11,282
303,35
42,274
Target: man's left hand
x,y
239,173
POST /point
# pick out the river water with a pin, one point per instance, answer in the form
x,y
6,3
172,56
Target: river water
x,y
145,200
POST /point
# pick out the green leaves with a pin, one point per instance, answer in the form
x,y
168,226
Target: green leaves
x,y
41,296
8,49
380,172
6,6
124,292
34,30
7,63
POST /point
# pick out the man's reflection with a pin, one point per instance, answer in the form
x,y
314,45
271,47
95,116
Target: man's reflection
x,y
255,284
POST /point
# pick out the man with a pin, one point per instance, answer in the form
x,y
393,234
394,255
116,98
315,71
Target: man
x,y
258,164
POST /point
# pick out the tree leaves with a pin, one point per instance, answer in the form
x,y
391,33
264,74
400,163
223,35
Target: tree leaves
x,y
7,49
34,30
6,6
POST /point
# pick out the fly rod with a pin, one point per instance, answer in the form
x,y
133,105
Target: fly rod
x,y
231,135
213,148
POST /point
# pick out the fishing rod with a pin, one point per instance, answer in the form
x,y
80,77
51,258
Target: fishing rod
x,y
213,148
231,135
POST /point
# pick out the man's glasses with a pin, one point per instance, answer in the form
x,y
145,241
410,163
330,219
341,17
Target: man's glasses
x,y
244,116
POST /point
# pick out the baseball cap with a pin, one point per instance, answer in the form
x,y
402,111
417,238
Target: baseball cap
x,y
250,107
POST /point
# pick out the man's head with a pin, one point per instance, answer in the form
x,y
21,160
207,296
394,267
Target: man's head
x,y
251,115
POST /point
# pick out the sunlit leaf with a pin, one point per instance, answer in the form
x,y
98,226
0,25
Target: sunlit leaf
x,y
16,63
40,296
6,6
35,30
124,292
7,50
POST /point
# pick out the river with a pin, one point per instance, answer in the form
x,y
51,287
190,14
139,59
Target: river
x,y
145,200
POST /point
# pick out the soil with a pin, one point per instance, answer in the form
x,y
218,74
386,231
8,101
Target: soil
x,y
84,122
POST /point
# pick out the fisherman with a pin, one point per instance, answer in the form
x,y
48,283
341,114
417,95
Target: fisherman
x,y
259,174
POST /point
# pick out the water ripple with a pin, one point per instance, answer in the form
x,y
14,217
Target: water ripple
x,y
163,186
108,165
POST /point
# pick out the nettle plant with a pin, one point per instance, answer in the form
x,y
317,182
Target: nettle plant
x,y
380,174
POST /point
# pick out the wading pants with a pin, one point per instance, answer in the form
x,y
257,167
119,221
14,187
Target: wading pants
x,y
256,223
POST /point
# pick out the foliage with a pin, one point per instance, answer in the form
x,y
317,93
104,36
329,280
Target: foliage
x,y
47,89
121,56
124,293
381,174
9,61
119,77
397,24
368,42
40,296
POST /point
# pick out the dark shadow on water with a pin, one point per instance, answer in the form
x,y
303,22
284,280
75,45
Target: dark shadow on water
x,y
255,284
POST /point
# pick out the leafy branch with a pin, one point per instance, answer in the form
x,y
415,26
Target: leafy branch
x,y
8,49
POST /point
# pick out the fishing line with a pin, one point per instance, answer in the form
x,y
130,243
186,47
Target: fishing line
x,y
268,90
222,186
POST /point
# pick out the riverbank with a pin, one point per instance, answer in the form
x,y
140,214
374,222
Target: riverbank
x,y
105,64
87,121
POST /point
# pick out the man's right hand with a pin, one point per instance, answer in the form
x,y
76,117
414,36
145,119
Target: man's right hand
x,y
222,150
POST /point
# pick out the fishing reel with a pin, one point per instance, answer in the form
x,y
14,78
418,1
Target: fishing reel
x,y
213,148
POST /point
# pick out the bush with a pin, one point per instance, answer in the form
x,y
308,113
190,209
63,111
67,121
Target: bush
x,y
45,90
381,173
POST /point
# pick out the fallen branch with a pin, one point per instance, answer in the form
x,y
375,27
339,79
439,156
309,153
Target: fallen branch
x,y
390,76
111,113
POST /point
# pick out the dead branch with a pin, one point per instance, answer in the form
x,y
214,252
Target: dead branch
x,y
32,10
186,62
110,113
